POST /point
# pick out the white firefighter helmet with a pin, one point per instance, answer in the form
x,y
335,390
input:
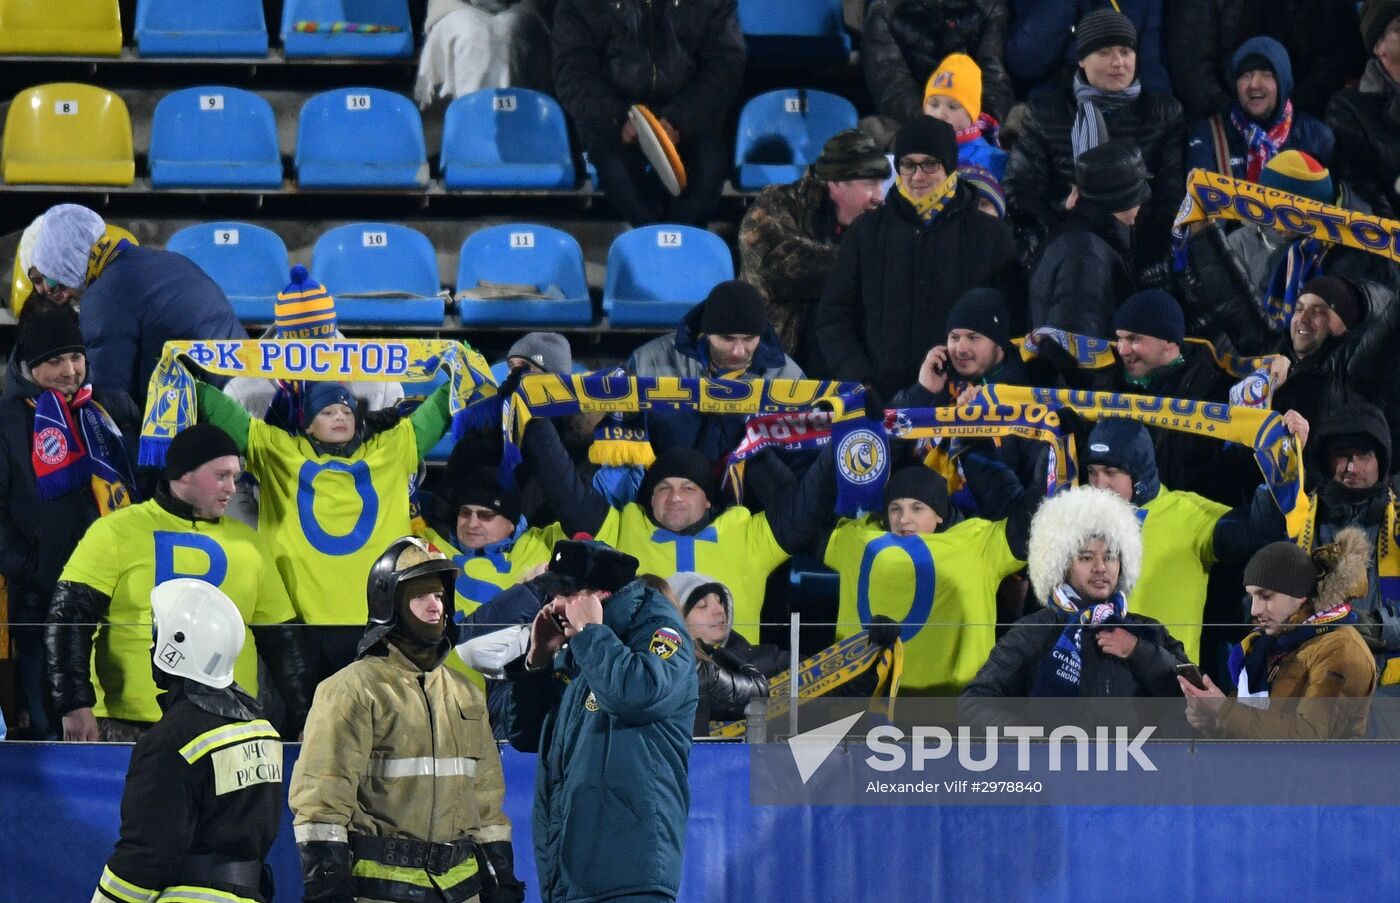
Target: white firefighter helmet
x,y
199,631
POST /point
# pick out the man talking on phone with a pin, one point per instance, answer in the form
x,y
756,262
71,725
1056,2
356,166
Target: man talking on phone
x,y
606,694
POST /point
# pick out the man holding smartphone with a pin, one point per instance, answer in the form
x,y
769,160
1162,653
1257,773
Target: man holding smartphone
x,y
606,694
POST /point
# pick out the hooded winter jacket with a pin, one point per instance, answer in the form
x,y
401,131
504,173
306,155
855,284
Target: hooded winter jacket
x,y
682,60
1084,272
1306,134
686,353
1365,120
727,681
887,300
611,721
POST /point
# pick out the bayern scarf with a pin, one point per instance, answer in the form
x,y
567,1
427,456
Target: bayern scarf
x,y
76,444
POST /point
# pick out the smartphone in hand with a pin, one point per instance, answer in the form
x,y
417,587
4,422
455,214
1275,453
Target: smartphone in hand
x,y
1192,675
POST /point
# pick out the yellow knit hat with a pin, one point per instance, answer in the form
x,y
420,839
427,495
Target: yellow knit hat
x,y
960,78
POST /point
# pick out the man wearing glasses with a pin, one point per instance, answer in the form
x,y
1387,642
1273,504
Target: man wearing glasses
x,y
901,268
132,299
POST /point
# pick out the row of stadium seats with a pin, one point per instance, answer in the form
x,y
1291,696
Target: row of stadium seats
x,y
384,274
497,139
786,31
226,28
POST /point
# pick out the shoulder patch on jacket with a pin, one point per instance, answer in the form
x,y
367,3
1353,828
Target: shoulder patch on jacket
x,y
664,642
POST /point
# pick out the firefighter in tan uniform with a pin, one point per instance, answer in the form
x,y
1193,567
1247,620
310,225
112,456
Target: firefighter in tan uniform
x,y
397,793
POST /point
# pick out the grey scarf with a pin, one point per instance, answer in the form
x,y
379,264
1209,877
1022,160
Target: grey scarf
x,y
1089,129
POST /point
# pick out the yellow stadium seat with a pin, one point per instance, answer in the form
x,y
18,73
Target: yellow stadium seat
x,y
60,28
20,285
67,134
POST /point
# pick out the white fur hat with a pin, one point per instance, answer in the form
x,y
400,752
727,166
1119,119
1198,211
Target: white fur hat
x,y
1065,523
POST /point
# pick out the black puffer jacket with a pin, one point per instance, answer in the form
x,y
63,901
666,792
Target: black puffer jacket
x,y
1084,273
36,537
1323,39
887,299
905,40
682,58
727,683
1041,171
1366,121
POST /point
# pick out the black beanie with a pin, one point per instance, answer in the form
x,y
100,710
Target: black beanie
x,y
592,565
1340,295
931,137
482,487
195,446
678,461
51,331
733,308
1152,312
701,592
1103,28
1282,567
984,311
920,483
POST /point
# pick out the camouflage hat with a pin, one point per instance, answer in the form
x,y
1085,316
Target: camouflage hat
x,y
851,154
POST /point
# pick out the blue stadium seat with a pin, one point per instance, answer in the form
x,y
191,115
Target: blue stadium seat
x,y
333,146
248,262
214,137
506,138
657,273
795,31
781,133
182,28
524,254
814,581
324,42
381,274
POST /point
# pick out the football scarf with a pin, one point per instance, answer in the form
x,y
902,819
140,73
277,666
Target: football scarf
x,y
77,443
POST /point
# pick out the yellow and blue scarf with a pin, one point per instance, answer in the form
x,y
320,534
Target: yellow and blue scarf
x,y
930,205
170,399
1252,660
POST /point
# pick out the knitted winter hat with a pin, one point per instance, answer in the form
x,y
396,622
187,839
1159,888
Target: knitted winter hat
x,y
848,155
304,309
1282,567
65,239
678,461
48,332
547,350
482,487
984,311
196,446
919,483
1152,312
1103,28
319,395
1376,18
1340,295
985,184
733,308
1297,173
1112,176
960,78
930,137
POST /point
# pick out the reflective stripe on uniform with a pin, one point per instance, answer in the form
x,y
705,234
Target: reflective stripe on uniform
x,y
320,832
208,741
420,767
492,834
187,894
463,871
115,887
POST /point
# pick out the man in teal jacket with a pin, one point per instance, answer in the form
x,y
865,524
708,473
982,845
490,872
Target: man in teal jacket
x,y
610,714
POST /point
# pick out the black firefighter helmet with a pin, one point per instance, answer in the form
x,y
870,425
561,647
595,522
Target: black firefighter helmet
x,y
406,558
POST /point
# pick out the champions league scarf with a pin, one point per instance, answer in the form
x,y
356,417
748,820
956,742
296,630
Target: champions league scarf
x,y
931,204
1059,670
1210,195
171,407
552,395
1264,144
827,671
797,431
1279,457
75,444
1252,660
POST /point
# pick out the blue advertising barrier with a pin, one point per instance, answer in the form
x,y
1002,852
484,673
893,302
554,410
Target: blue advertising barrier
x,y
59,807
